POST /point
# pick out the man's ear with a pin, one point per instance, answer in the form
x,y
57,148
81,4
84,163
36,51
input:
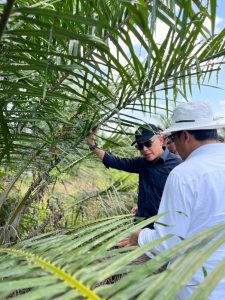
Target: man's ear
x,y
161,139
186,135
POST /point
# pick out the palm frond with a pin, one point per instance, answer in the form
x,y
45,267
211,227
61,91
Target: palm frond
x,y
53,264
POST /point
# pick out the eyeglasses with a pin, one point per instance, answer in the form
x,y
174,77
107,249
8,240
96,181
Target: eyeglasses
x,y
148,144
171,138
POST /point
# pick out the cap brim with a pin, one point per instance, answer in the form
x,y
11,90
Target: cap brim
x,y
143,138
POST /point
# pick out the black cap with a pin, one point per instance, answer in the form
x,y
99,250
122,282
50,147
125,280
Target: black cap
x,y
145,132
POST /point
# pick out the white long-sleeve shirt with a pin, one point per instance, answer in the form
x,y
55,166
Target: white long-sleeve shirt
x,y
197,188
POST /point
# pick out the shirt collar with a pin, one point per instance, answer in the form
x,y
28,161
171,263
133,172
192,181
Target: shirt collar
x,y
163,157
208,148
165,154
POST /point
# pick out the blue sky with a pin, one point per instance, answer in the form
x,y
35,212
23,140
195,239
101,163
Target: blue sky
x,y
215,96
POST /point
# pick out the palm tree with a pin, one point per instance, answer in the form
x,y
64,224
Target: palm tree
x,y
69,66
79,263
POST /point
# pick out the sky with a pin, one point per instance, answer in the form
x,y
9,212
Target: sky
x,y
214,96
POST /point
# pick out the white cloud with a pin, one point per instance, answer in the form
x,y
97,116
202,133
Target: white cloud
x,y
222,103
219,24
218,107
221,109
134,39
161,30
113,50
219,21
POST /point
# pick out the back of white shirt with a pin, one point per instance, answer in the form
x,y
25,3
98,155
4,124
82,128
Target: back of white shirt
x,y
197,189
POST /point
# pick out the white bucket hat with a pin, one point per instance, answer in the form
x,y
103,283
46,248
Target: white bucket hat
x,y
193,116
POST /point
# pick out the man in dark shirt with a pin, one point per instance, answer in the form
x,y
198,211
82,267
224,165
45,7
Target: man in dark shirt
x,y
153,166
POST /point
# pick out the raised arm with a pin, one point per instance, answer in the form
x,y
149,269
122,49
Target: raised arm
x,y
132,165
100,153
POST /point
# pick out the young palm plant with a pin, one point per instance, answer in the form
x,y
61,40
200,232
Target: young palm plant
x,y
83,263
67,67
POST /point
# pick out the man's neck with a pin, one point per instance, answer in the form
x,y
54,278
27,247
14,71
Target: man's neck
x,y
196,144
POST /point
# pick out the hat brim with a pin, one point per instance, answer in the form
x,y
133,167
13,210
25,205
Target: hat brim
x,y
143,138
194,126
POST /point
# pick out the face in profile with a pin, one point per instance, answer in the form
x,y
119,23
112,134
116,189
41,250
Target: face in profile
x,y
170,144
220,139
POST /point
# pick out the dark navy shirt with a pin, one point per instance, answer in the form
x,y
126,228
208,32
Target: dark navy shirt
x,y
152,178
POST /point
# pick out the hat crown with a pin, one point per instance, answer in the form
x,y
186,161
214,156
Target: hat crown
x,y
146,128
193,116
145,132
192,112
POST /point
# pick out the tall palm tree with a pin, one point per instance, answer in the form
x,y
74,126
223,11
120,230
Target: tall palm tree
x,y
69,66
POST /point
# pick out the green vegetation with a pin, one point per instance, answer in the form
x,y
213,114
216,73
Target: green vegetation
x,y
65,68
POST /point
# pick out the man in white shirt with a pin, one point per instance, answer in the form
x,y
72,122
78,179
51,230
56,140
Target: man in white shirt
x,y
195,187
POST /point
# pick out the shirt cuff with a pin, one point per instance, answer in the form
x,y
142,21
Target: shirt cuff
x,y
144,238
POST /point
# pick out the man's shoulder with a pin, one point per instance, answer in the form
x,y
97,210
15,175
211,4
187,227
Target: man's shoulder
x,y
174,158
184,171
